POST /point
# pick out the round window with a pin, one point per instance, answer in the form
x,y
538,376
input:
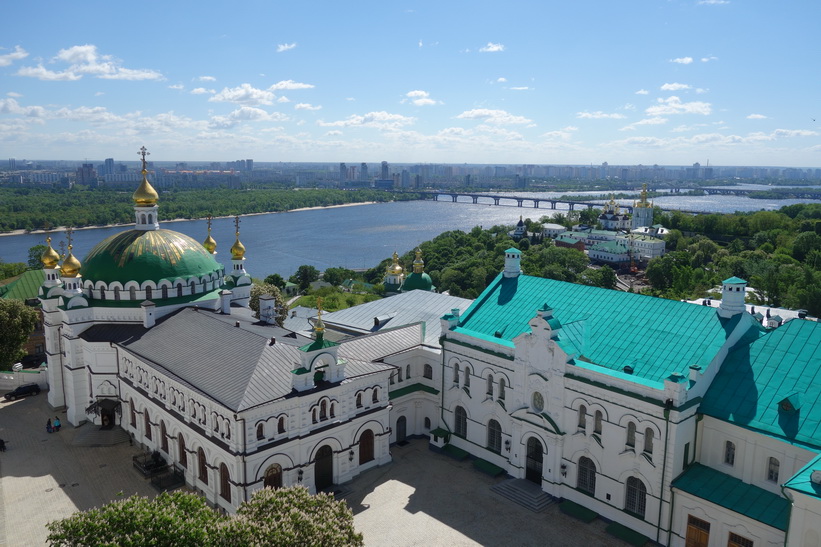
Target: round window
x,y
538,401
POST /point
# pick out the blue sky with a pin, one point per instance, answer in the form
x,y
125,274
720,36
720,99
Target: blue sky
x,y
735,82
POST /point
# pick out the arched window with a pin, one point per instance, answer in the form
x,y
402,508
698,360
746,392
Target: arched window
x,y
133,413
225,483
597,422
260,432
281,425
273,477
116,293
648,441
375,398
456,373
358,400
502,389
407,372
587,476
150,218
636,498
631,435
202,465
494,436
313,416
132,293
460,425
102,294
537,401
399,374
773,466
729,453
393,376
333,410
489,390
193,286
366,446
179,289
183,455
428,372
323,410
149,293
163,437
164,291
467,376
582,417
142,218
427,422
147,422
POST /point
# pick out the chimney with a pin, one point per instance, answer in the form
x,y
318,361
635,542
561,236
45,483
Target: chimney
x,y
272,341
513,258
732,297
225,301
148,313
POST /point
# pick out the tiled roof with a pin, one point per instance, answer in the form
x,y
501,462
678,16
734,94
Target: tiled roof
x,y
755,378
24,287
732,493
606,327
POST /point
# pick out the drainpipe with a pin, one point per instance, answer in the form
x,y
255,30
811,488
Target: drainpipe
x,y
244,451
789,516
442,387
668,404
670,522
699,417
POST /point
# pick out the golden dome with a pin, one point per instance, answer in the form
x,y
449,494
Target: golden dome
x,y
71,266
237,250
50,257
209,244
145,195
395,268
418,263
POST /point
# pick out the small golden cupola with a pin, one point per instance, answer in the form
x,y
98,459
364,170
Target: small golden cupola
x,y
50,258
145,195
237,249
71,266
395,268
418,263
209,243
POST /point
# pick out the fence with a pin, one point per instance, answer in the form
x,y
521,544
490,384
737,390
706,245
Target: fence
x,y
10,380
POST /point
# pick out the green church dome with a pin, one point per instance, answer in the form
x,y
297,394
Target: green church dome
x,y
147,255
417,281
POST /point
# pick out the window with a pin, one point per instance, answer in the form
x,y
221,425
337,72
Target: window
x,y
427,423
202,465
456,373
467,376
183,455
582,417
147,421
133,413
164,291
260,432
428,372
399,374
116,293
729,453
281,425
393,375
358,400
586,481
502,389
537,401
225,483
494,436
460,422
375,398
323,410
366,447
648,441
333,410
698,532
489,390
179,290
773,466
636,499
597,422
739,541
149,293
163,437
273,477
631,435
132,293
313,416
407,372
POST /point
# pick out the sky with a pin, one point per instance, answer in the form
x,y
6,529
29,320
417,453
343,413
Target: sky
x,y
724,82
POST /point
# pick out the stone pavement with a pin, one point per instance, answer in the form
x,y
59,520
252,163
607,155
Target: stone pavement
x,y
422,498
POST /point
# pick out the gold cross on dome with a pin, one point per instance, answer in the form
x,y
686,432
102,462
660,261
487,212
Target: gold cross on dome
x,y
236,223
209,218
144,152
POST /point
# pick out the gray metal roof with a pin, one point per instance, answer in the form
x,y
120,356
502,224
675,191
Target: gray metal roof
x,y
396,311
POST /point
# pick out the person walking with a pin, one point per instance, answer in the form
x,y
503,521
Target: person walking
x,y
2,445
49,428
57,423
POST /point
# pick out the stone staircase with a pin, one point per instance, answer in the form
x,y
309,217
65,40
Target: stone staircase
x,y
92,435
525,493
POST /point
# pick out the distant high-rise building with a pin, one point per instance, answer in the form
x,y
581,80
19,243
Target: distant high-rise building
x,y
405,178
12,164
86,174
363,171
385,171
249,165
108,168
343,172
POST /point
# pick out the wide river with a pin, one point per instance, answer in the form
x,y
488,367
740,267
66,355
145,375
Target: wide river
x,y
358,236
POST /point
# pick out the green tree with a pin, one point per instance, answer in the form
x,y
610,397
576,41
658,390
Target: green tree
x,y
34,262
304,276
276,280
260,289
17,321
335,276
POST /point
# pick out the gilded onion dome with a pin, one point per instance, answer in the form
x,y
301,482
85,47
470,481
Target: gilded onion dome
x,y
237,249
71,266
418,263
209,244
145,195
395,268
50,258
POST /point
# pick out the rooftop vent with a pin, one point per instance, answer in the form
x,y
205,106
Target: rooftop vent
x,y
272,341
815,477
236,324
628,369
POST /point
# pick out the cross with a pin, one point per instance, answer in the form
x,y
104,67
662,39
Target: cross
x,y
208,218
144,152
69,234
236,223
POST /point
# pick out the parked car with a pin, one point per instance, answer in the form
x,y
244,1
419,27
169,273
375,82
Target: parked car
x,y
22,391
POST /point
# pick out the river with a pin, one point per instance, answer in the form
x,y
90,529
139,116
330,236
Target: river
x,y
357,236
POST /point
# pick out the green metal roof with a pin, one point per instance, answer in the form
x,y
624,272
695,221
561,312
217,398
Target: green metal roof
x,y
417,281
734,494
610,247
24,287
318,344
756,377
396,393
609,328
801,482
137,255
734,281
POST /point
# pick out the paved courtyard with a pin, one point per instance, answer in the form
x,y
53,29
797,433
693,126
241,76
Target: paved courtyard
x,y
421,498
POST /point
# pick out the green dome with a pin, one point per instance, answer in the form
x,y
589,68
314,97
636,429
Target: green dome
x,y
147,255
417,281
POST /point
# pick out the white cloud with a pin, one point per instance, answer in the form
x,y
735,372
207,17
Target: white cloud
x,y
642,92
378,120
285,47
713,2
794,133
701,90
492,48
675,87
350,98
673,105
306,106
419,98
657,120
245,113
563,134
42,73
709,58
497,117
178,87
501,80
599,115
207,79
202,91
289,85
85,60
756,117
420,43
519,88
682,60
244,94
333,133
16,55
99,94
14,94
283,99
628,106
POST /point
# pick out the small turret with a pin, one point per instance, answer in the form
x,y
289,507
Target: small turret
x,y
513,259
733,291
145,200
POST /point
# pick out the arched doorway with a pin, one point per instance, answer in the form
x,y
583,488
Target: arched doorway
x,y
366,446
535,458
401,429
324,468
273,476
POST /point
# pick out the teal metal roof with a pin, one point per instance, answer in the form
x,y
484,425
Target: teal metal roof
x,y
734,281
609,328
610,247
801,482
24,287
756,378
734,494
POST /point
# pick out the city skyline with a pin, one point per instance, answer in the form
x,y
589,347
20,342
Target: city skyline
x,y
723,82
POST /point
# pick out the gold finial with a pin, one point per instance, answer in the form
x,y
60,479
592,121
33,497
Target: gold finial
x,y
145,195
50,257
237,249
319,328
209,243
395,268
71,266
418,263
